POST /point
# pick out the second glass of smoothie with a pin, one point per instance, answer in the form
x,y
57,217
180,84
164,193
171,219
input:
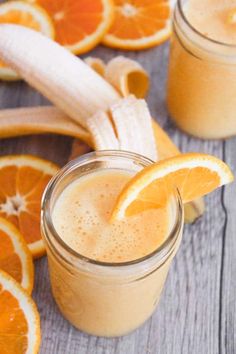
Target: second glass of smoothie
x,y
202,69
106,277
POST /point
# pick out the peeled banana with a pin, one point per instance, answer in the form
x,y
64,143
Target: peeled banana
x,y
133,125
55,72
102,132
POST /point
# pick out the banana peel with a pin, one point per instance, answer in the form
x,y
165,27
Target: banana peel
x,y
127,76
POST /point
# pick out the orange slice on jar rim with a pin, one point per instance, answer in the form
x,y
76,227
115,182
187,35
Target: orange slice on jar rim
x,y
23,179
193,174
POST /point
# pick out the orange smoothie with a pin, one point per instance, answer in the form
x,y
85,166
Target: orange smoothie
x,y
107,277
202,69
81,217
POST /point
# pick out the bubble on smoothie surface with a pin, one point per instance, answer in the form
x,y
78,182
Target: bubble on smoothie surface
x,y
81,218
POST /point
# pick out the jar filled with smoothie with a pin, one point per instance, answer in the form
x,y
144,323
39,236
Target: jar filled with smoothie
x,y
106,277
201,86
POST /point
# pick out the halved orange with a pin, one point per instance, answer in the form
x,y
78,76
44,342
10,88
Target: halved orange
x,y
193,174
24,14
139,24
19,319
15,257
23,179
80,25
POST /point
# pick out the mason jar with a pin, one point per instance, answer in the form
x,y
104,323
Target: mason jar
x,y
201,87
102,298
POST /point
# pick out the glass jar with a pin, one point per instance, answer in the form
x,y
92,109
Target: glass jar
x,y
101,298
201,85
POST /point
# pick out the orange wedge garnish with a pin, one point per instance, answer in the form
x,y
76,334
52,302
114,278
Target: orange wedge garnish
x,y
139,24
80,25
19,319
193,174
15,257
23,179
28,15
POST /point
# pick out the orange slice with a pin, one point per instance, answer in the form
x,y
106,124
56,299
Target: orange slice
x,y
15,257
19,319
28,15
139,24
23,179
80,25
193,174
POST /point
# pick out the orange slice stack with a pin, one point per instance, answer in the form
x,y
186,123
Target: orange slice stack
x,y
22,182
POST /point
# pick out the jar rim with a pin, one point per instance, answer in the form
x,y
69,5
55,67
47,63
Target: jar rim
x,y
162,251
179,6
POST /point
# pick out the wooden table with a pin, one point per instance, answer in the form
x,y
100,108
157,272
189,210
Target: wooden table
x,y
197,312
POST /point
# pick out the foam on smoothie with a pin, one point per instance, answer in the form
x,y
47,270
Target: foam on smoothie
x,y
211,18
81,218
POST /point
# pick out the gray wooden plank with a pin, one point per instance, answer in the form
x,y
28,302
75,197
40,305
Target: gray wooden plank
x,y
228,279
187,320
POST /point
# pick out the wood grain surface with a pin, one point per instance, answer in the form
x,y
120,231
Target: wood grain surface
x,y
197,312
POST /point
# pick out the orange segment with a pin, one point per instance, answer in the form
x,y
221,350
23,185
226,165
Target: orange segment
x,y
29,225
15,257
139,24
23,179
193,174
19,319
80,25
27,179
8,180
28,15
